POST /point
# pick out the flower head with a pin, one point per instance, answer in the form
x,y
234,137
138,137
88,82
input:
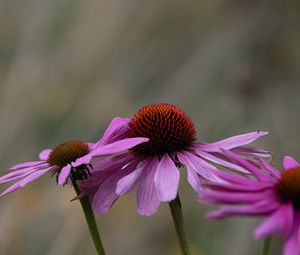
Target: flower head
x,y
72,158
270,193
153,166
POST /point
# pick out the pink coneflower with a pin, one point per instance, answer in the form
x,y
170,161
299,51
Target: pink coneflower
x,y
153,166
72,158
270,193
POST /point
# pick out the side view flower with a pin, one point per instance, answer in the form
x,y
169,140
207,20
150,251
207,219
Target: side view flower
x,y
271,193
72,158
153,166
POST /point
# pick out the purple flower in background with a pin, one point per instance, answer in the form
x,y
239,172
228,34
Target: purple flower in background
x,y
72,158
269,193
153,166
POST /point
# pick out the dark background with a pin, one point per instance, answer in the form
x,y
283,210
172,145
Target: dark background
x,y
67,67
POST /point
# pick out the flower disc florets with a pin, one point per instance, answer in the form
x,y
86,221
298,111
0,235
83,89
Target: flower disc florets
x,y
168,128
67,153
288,188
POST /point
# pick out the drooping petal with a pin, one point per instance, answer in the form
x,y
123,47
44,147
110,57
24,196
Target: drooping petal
x,y
117,127
253,151
280,222
269,168
198,165
64,174
225,197
252,168
147,197
194,179
127,183
22,183
289,162
22,171
232,142
166,179
45,154
292,243
106,194
222,162
27,164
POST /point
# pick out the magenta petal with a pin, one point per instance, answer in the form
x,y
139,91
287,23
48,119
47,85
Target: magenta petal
x,y
147,197
289,162
45,154
166,179
232,142
22,183
118,146
64,174
292,243
280,222
117,124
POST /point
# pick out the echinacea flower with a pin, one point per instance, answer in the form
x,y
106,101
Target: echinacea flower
x,y
269,193
153,166
72,158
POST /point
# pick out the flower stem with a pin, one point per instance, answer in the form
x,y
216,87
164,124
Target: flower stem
x,y
267,245
90,219
176,211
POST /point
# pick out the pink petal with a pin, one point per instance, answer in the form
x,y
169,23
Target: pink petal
x,y
27,164
45,154
117,124
252,151
194,180
117,147
64,174
250,167
269,168
22,171
198,165
106,194
22,183
147,197
221,162
166,179
233,142
127,183
85,160
289,162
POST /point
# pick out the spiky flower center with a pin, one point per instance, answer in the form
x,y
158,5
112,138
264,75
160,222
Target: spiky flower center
x,y
288,188
67,152
168,128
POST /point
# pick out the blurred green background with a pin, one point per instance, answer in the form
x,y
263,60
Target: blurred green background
x,y
67,67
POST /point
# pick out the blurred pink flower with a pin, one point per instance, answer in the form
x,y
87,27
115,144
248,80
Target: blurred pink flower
x,y
269,193
72,158
153,166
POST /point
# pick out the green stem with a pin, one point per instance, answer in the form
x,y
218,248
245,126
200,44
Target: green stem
x,y
267,245
90,219
176,211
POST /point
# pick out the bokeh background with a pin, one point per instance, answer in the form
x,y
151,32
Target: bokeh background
x,y
67,67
